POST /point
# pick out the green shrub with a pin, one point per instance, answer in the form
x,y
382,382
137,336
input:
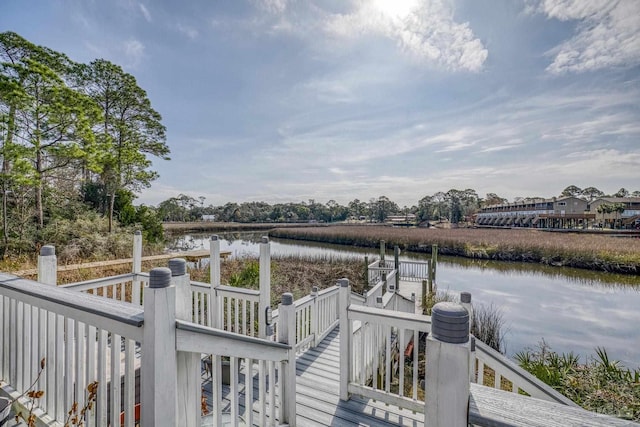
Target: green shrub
x,y
599,385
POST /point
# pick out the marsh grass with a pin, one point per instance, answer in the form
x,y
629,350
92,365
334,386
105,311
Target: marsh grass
x,y
599,384
590,251
297,274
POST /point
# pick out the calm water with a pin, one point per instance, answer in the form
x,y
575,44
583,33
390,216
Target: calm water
x,y
571,309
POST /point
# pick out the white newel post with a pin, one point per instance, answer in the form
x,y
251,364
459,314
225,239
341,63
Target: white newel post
x,y
265,286
447,376
48,265
287,335
345,338
472,359
396,263
215,304
137,267
314,316
158,366
47,274
465,301
188,364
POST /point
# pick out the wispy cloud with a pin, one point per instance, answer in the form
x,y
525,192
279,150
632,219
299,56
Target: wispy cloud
x,y
607,33
273,6
187,30
134,51
145,12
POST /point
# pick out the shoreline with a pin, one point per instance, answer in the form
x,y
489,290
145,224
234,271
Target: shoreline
x,y
452,242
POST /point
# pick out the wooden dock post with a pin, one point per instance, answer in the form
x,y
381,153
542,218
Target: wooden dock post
x,y
396,263
434,259
214,308
366,272
383,249
383,277
188,364
48,265
424,297
447,376
265,286
345,337
159,364
136,267
287,335
431,274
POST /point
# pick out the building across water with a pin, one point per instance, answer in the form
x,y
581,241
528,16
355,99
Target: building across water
x,y
563,212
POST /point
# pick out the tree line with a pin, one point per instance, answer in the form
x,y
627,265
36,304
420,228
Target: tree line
x,y
74,137
455,206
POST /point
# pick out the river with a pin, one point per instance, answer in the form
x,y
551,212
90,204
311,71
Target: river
x,y
571,309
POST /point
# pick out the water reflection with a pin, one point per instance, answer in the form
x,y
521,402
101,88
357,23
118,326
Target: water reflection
x,y
572,309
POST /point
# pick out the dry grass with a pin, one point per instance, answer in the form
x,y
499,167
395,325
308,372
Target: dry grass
x,y
295,274
590,251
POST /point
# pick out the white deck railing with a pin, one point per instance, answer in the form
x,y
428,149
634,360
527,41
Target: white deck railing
x,y
502,368
374,343
415,271
82,339
121,287
316,315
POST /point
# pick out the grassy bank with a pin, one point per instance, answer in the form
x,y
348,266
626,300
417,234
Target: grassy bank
x,y
594,252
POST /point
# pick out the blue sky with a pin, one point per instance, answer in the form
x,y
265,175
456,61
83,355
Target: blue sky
x,y
283,100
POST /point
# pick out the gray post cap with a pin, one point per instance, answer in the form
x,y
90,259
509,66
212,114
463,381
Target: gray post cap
x,y
47,250
214,237
159,277
315,289
265,239
450,323
343,282
178,266
465,297
287,298
138,233
378,300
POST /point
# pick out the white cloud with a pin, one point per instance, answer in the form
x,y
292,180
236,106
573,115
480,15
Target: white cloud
x,y
145,12
134,50
607,34
188,31
425,29
273,6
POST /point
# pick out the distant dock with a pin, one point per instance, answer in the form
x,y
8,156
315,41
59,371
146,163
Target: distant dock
x,y
189,256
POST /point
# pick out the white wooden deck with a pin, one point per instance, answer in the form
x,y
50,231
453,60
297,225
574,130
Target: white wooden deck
x,y
317,401
317,398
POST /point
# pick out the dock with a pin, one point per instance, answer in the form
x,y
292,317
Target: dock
x,y
189,256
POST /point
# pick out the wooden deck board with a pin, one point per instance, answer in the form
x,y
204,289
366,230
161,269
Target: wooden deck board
x,y
317,401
